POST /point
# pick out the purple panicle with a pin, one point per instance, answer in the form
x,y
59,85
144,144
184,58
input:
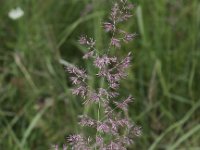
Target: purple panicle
x,y
114,130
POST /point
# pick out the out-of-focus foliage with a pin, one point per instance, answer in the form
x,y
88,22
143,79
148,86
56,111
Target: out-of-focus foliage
x,y
36,106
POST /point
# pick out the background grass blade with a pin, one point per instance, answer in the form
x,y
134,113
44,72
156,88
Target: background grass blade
x,y
175,125
184,137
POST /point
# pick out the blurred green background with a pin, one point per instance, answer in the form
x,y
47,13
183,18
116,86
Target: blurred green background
x,y
36,106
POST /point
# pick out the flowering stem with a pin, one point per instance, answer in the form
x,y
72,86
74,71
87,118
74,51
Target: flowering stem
x,y
114,129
